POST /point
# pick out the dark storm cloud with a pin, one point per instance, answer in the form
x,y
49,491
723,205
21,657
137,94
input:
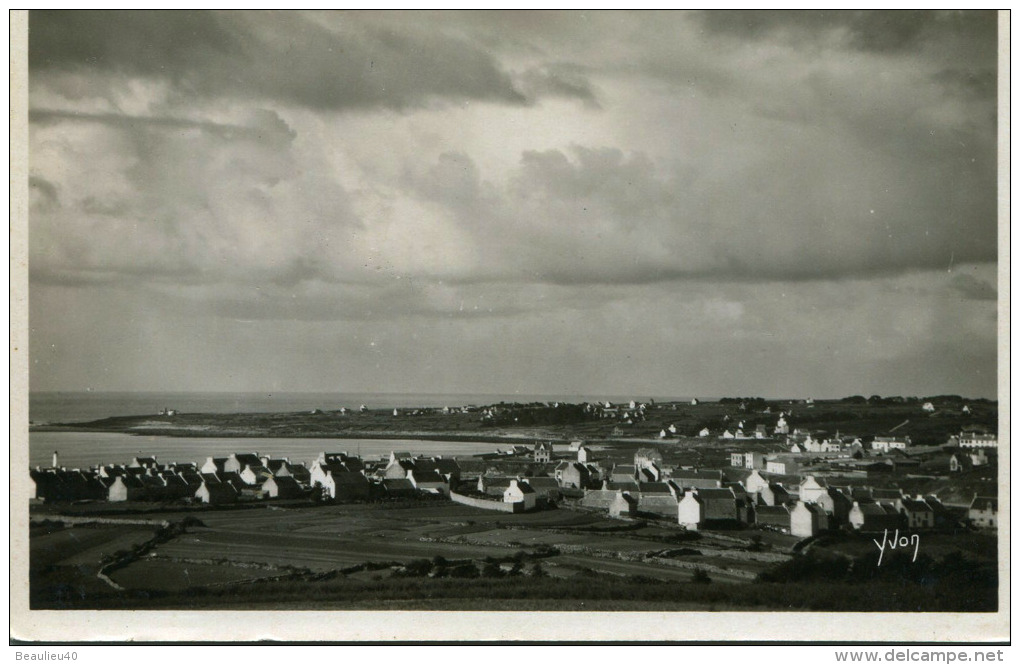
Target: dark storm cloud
x,y
599,216
283,56
865,30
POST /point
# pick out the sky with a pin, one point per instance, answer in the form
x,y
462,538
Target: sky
x,y
785,204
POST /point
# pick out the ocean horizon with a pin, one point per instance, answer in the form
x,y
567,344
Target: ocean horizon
x,y
46,407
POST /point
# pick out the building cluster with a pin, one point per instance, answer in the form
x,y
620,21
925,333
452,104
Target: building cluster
x,y
247,477
814,485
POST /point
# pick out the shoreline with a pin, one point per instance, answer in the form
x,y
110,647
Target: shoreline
x,y
415,435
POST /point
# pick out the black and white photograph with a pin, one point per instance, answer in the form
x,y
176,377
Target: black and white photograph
x,y
578,325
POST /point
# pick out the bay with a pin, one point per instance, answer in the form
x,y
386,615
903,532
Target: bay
x,y
85,449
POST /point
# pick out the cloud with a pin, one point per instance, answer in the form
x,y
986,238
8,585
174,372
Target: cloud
x,y
336,62
865,30
601,216
973,288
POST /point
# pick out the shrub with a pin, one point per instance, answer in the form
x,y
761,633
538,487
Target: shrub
x,y
700,576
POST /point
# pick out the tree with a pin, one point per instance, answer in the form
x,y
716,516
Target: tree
x,y
701,577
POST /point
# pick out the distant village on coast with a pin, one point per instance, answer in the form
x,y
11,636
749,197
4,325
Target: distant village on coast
x,y
778,477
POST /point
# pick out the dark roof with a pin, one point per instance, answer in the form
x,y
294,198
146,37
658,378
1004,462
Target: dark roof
x,y
397,484
427,476
772,510
132,482
543,483
985,503
813,507
915,506
624,486
247,458
285,482
655,487
524,487
871,509
718,493
348,478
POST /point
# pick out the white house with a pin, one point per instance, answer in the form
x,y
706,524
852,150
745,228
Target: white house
x,y
754,460
520,492
782,427
978,440
928,407
623,505
984,511
704,432
429,481
811,490
886,443
690,511
215,493
783,465
755,483
542,452
805,519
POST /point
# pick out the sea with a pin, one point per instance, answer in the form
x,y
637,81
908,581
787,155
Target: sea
x,y
84,449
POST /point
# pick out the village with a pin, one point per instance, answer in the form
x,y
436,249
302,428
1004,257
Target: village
x,y
741,492
791,480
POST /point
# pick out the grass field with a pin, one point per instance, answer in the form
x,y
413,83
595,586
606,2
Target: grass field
x,y
363,556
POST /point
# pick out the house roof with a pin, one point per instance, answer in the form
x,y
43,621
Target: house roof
x,y
131,482
772,510
623,485
543,483
655,487
716,494
870,509
427,476
524,487
225,490
285,482
247,458
915,506
985,503
620,469
348,478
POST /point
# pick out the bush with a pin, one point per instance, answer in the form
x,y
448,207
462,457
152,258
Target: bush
x,y
701,577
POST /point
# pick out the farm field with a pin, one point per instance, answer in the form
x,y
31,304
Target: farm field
x,y
82,546
234,546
